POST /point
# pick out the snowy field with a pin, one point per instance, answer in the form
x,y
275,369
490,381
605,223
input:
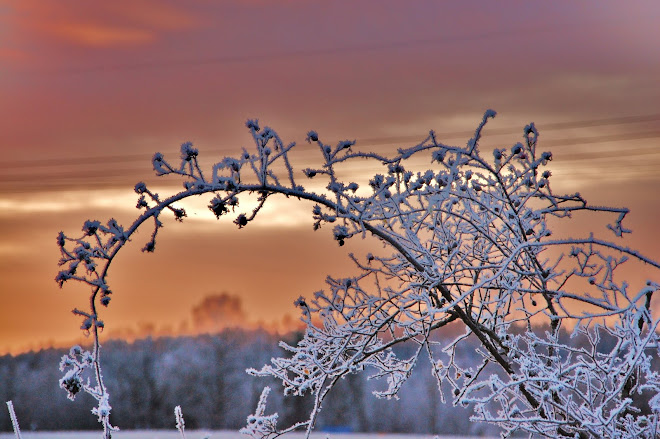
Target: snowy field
x,y
200,434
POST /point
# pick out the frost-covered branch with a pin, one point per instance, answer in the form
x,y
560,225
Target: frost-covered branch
x,y
469,239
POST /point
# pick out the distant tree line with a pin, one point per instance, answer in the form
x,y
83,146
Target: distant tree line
x,y
206,376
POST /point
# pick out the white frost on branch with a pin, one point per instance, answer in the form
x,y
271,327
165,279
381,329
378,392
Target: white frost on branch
x,y
469,240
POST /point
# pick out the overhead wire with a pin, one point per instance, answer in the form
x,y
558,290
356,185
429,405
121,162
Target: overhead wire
x,y
50,179
371,141
302,53
48,175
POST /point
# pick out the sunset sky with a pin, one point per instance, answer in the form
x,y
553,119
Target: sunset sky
x,y
90,90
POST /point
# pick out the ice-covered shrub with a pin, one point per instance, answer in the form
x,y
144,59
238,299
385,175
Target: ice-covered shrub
x,y
469,240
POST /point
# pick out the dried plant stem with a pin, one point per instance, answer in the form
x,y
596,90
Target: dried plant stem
x,y
14,420
180,423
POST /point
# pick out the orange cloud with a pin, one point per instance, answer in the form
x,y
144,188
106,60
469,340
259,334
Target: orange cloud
x,y
102,36
102,24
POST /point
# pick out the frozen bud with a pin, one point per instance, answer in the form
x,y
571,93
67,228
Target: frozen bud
x,y
218,206
90,227
312,136
468,175
300,301
141,202
546,156
65,362
252,124
546,174
105,300
140,187
395,168
517,148
439,156
241,221
340,232
497,153
267,151
62,277
60,239
72,383
149,247
103,410
344,144
267,134
87,323
188,152
87,358
377,181
179,214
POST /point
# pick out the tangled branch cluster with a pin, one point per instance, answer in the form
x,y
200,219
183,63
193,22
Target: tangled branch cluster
x,y
471,243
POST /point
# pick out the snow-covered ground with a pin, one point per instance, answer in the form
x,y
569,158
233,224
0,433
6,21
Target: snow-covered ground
x,y
200,434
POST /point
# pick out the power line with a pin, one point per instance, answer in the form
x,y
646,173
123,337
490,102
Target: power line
x,y
328,51
499,131
370,141
43,181
605,139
